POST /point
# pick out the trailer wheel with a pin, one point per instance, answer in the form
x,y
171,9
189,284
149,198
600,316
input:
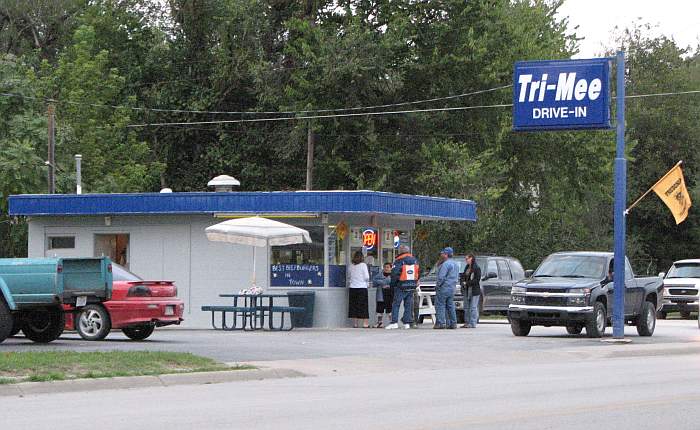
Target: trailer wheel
x,y
646,321
139,332
6,323
93,322
44,326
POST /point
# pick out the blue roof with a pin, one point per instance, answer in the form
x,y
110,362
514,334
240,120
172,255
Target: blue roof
x,y
282,202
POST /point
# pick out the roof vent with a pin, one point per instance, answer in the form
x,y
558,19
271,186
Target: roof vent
x,y
223,183
166,190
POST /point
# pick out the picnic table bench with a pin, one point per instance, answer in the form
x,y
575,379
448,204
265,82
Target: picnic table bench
x,y
253,313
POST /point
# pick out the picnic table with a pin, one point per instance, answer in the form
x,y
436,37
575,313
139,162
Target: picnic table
x,y
252,310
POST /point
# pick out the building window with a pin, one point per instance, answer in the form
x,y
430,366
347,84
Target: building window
x,y
61,242
114,246
299,265
337,239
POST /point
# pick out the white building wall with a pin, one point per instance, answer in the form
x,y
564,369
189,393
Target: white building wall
x,y
176,248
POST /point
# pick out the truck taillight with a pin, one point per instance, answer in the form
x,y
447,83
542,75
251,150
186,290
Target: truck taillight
x,y
59,268
109,268
139,291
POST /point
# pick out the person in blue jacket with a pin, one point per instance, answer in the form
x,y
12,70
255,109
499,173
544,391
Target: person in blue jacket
x,y
447,278
382,282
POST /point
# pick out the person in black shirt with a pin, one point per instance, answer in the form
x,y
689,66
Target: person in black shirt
x,y
471,291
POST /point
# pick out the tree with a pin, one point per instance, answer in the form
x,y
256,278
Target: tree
x,y
664,130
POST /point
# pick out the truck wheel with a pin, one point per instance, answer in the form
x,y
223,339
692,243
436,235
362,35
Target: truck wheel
x,y
139,332
93,322
574,329
520,328
6,321
595,326
685,315
661,315
44,326
646,321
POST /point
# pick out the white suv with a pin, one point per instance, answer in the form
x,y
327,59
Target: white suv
x,y
681,288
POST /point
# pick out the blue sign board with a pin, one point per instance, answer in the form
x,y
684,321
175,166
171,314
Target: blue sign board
x,y
296,275
561,94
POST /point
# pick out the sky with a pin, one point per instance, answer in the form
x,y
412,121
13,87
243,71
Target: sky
x,y
597,19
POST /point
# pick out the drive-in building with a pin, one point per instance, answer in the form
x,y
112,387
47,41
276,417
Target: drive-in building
x,y
161,236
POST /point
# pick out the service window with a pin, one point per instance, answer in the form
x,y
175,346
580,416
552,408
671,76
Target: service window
x,y
503,271
299,265
61,242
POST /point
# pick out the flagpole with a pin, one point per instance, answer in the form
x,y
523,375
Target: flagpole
x,y
636,202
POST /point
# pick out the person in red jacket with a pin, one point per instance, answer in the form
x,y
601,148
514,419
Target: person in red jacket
x,y
405,274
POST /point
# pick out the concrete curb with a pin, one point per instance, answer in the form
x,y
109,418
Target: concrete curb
x,y
168,380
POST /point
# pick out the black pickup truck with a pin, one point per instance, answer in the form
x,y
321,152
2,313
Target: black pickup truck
x,y
574,290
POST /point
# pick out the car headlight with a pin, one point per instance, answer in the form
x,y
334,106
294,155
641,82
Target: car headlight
x,y
577,301
517,300
518,290
581,300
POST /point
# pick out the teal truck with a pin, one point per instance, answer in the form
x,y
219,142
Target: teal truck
x,y
33,292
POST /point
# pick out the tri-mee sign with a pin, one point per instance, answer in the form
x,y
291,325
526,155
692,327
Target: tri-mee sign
x,y
561,94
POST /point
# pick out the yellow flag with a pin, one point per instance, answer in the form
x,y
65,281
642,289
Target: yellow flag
x,y
671,189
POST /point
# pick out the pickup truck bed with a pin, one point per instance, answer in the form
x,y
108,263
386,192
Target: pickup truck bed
x,y
33,290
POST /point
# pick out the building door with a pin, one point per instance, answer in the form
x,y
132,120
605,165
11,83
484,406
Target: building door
x,y
114,246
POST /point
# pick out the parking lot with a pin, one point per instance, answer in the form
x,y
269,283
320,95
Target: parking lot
x,y
491,342
409,379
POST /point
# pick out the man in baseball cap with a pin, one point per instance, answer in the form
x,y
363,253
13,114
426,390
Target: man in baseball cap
x,y
447,278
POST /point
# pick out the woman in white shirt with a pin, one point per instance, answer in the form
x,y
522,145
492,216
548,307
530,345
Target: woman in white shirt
x,y
358,306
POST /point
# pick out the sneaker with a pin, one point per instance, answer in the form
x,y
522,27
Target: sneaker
x,y
407,326
392,326
438,327
452,327
465,326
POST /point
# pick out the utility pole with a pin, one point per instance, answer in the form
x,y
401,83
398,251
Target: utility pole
x,y
52,149
78,174
310,141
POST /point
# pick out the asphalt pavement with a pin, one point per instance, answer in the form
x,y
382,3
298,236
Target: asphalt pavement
x,y
412,379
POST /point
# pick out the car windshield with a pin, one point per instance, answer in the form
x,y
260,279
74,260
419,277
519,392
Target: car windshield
x,y
460,262
119,273
571,266
684,270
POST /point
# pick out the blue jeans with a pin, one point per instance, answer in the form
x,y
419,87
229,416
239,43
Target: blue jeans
x,y
471,311
405,296
445,306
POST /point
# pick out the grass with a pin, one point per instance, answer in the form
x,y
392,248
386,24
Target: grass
x,y
63,365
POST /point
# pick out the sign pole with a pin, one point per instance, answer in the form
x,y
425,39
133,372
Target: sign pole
x,y
620,204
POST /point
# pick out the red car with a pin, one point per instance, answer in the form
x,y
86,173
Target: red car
x,y
137,307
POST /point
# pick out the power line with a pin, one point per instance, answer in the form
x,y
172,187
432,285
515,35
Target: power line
x,y
637,96
295,112
342,115
458,108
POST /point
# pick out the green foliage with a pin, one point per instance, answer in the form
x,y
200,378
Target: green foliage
x,y
665,130
536,192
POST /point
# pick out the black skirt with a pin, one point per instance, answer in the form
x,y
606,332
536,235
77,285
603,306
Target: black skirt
x,y
358,306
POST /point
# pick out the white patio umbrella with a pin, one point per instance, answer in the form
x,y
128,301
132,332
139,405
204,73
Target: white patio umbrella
x,y
257,232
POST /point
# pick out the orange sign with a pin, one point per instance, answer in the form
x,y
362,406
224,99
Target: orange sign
x,y
342,230
369,238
